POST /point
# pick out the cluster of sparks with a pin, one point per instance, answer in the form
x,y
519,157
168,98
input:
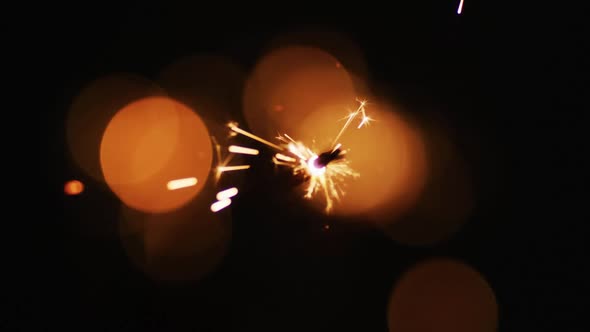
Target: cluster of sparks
x,y
326,178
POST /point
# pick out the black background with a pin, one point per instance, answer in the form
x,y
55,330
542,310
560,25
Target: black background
x,y
510,81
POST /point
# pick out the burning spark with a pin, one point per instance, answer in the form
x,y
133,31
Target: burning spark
x,y
242,150
222,169
460,9
282,157
227,193
181,183
220,205
365,120
325,172
234,127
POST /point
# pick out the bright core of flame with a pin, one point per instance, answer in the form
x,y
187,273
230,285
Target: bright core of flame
x,y
313,169
328,179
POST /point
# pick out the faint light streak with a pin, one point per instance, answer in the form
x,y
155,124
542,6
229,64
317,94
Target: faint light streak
x,y
222,169
220,205
234,127
460,9
181,183
242,150
227,193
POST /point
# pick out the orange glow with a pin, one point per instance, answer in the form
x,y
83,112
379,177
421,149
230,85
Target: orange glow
x,y
148,143
340,45
301,80
91,111
73,187
442,295
388,155
448,197
183,245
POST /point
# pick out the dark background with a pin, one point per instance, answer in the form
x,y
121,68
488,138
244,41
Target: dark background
x,y
510,81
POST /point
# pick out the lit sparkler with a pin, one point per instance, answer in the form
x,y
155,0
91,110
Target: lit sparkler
x,y
325,172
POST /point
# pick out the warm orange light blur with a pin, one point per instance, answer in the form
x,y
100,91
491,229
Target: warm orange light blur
x,y
388,154
73,187
92,110
337,43
180,246
448,197
210,84
299,79
149,143
442,295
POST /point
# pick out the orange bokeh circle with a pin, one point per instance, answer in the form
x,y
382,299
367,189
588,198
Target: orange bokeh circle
x,y
388,155
149,143
442,295
288,84
73,187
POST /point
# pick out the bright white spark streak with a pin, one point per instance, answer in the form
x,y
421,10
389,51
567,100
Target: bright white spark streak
x,y
232,168
227,193
360,109
181,183
460,9
282,157
220,205
238,130
242,150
